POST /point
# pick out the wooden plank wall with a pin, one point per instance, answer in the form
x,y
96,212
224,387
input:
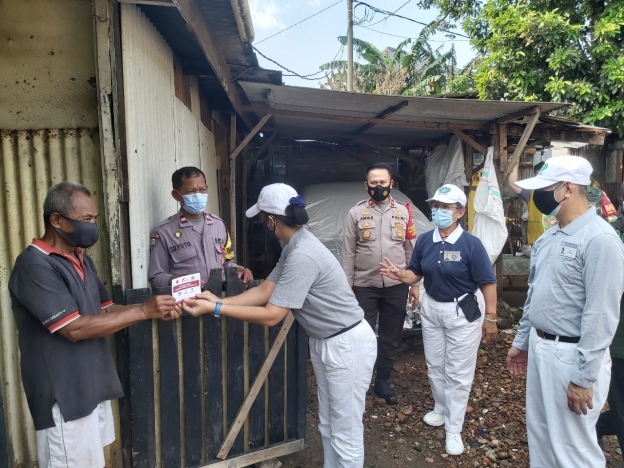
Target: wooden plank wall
x,y
186,379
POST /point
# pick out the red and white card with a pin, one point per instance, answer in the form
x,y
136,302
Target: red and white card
x,y
186,287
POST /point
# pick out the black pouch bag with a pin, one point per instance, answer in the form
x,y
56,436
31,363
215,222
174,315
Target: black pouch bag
x,y
470,307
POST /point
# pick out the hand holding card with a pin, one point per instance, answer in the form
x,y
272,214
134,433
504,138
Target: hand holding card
x,y
186,287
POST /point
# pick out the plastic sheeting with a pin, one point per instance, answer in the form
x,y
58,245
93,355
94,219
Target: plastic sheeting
x,y
328,205
445,165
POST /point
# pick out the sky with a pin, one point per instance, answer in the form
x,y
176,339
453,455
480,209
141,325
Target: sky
x,y
315,42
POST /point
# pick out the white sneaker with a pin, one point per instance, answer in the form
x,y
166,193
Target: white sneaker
x,y
434,419
454,444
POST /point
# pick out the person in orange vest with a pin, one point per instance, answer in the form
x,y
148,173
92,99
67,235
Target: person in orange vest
x,y
535,223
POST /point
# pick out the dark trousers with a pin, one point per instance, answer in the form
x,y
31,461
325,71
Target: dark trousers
x,y
612,422
389,304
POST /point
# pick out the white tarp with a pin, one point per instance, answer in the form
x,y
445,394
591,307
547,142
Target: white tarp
x,y
445,165
328,205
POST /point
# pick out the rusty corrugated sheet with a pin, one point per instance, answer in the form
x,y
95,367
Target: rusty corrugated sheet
x,y
30,162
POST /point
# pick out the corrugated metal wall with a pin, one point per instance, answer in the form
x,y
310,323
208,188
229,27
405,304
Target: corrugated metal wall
x,y
162,134
149,96
30,162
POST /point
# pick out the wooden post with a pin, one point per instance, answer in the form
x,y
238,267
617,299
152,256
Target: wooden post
x,y
521,144
502,146
232,163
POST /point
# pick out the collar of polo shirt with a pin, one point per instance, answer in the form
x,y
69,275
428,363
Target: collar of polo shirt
x,y
450,239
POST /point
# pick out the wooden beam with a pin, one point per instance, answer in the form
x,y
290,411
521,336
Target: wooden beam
x,y
256,387
165,3
232,186
469,141
260,455
517,115
342,137
543,132
390,152
382,115
263,148
523,141
365,120
248,138
502,146
195,20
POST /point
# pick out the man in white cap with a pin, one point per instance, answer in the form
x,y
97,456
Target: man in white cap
x,y
570,316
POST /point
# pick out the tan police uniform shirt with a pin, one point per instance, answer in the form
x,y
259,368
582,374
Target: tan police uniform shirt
x,y
371,233
178,248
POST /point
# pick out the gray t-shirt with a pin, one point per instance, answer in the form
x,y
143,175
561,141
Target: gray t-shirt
x,y
576,282
310,281
198,224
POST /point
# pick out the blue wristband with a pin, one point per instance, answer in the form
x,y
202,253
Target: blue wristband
x,y
217,311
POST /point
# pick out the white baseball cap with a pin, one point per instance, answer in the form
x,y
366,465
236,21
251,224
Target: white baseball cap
x,y
449,193
273,199
560,169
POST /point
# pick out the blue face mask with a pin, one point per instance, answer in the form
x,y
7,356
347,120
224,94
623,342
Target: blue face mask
x,y
195,203
442,218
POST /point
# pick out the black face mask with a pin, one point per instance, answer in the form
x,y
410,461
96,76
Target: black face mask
x,y
546,202
84,235
379,192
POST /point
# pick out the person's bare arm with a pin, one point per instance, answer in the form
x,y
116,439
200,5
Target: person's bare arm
x,y
257,296
116,317
513,178
269,315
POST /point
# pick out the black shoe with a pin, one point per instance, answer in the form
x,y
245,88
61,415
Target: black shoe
x,y
382,390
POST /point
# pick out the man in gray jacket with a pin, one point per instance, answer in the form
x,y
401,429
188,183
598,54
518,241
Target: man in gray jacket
x,y
571,313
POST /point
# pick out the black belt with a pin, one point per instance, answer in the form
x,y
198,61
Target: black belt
x,y
563,339
346,329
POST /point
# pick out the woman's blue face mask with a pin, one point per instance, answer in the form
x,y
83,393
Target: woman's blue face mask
x,y
441,217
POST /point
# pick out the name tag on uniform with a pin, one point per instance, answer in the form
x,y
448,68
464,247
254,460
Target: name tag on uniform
x,y
452,256
568,250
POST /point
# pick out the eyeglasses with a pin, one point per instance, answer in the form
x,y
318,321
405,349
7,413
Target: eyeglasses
x,y
443,206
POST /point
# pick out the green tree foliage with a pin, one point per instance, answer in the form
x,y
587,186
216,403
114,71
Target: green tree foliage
x,y
413,68
550,50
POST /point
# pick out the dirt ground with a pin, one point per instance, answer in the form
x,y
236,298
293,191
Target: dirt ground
x,y
396,436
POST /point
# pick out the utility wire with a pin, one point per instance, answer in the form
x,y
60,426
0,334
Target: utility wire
x,y
405,37
389,13
305,19
304,77
387,16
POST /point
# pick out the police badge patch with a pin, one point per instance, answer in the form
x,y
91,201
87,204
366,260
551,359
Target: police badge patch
x,y
154,239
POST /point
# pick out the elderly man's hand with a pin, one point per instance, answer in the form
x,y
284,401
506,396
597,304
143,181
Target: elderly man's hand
x,y
579,398
158,306
517,360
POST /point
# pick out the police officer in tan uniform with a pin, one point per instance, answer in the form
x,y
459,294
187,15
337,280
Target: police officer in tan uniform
x,y
376,228
192,240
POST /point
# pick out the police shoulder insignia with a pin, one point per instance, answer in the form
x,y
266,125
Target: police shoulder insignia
x,y
177,234
154,238
228,253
